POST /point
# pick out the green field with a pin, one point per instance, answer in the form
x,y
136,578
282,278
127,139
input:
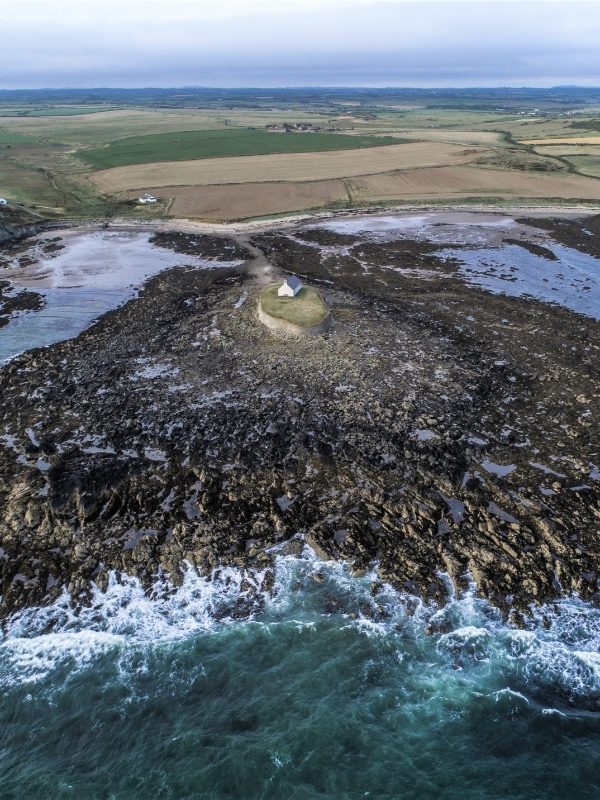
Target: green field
x,y
185,145
586,163
22,184
52,141
52,111
11,138
307,308
581,158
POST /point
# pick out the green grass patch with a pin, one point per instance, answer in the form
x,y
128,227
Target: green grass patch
x,y
54,111
26,185
185,145
306,308
69,111
586,163
11,138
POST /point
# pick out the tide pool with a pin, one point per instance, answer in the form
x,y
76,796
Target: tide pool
x,y
94,273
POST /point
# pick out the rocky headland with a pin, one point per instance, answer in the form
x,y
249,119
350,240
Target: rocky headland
x,y
18,222
437,430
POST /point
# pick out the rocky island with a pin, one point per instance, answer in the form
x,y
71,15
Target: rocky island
x,y
304,314
441,429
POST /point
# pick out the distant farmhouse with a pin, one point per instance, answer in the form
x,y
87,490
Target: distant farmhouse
x,y
290,287
3,201
147,198
295,127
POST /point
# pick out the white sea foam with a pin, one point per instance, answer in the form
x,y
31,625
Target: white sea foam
x,y
39,640
29,660
555,661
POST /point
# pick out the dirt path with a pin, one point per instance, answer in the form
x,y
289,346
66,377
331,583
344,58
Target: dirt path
x,y
259,267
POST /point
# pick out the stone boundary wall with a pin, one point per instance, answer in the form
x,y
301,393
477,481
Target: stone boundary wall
x,y
283,326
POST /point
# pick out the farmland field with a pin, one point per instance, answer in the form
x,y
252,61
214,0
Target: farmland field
x,y
586,163
213,154
240,201
185,145
584,159
90,131
567,150
466,181
281,167
21,184
67,111
571,140
454,136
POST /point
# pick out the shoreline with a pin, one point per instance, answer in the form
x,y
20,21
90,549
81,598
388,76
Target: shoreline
x,y
276,223
178,430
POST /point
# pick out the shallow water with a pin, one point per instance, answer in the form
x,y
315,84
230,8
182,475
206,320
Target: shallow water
x,y
94,273
323,692
572,281
469,228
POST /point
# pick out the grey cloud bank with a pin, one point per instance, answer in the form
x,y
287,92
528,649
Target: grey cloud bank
x,y
340,42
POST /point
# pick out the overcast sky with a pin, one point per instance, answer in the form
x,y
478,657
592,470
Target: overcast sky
x,y
69,43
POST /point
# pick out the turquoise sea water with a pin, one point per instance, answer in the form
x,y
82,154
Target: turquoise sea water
x,y
323,691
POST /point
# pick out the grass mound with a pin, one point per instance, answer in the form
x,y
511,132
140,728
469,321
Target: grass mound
x,y
307,308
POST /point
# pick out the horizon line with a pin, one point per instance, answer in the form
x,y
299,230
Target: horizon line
x,y
283,87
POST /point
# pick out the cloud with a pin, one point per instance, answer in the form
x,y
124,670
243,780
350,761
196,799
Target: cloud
x,y
263,42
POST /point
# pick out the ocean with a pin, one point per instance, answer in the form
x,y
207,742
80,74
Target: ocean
x,y
330,686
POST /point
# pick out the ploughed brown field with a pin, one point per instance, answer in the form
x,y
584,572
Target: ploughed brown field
x,y
239,201
465,181
230,188
230,202
216,161
283,166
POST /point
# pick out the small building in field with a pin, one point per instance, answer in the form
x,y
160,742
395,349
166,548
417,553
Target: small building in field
x,y
3,201
147,198
290,287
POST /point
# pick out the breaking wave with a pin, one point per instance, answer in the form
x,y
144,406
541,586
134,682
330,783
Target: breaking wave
x,y
555,660
309,684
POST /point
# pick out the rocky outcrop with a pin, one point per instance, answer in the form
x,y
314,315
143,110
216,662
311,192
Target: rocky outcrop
x,y
12,233
12,303
178,430
18,223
